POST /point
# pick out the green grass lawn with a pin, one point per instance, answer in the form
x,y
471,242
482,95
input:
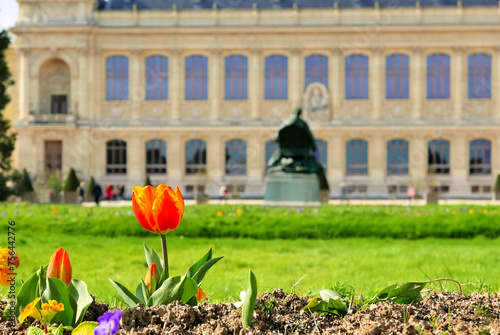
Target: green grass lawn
x,y
367,263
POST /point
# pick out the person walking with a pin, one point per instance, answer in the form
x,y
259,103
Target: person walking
x,y
80,190
97,192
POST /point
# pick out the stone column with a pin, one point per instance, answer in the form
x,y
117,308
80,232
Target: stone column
x,y
176,159
417,82
296,77
457,81
335,84
136,87
24,103
255,82
215,86
82,99
377,157
495,163
175,91
375,76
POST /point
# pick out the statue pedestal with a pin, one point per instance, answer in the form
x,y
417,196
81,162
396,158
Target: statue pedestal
x,y
292,189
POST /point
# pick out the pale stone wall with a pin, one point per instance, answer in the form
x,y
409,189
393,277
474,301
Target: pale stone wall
x,y
89,37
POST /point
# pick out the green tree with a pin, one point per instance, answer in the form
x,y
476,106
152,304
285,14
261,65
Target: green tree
x,y
25,183
90,185
7,139
71,183
496,187
54,183
147,181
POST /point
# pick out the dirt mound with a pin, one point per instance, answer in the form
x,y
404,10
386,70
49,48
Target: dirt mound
x,y
280,313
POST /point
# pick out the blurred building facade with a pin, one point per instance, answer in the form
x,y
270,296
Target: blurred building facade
x,y
191,93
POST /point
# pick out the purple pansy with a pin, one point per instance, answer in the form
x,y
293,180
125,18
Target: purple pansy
x,y
108,323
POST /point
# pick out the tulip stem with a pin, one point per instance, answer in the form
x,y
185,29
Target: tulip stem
x,y
165,254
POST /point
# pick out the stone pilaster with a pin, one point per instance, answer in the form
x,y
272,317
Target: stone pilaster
x,y
377,160
296,77
215,83
375,76
335,84
176,157
459,157
215,157
82,98
175,91
336,157
417,81
495,82
255,157
24,103
418,157
255,82
136,86
458,81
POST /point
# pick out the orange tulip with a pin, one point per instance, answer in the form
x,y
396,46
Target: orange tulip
x,y
6,276
200,295
59,266
158,210
7,256
152,273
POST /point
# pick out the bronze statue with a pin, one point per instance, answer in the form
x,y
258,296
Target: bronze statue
x,y
296,150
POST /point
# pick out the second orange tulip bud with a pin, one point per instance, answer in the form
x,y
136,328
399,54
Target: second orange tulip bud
x,y
59,266
152,273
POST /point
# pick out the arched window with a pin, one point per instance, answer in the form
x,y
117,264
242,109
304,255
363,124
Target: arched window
x,y
480,157
439,157
236,77
397,158
117,78
156,78
479,76
276,77
397,77
438,76
271,147
156,157
317,69
196,157
321,152
356,77
116,157
236,157
356,158
196,78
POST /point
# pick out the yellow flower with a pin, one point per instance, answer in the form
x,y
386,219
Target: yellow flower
x,y
219,213
485,211
454,212
471,211
30,310
238,211
49,311
7,256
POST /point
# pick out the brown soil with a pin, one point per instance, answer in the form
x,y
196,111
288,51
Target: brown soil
x,y
438,313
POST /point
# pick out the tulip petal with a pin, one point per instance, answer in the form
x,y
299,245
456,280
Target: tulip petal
x,y
168,209
142,198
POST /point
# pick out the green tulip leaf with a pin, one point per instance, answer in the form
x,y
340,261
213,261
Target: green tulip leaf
x,y
200,274
174,288
57,290
35,331
249,301
149,258
158,261
127,296
27,293
196,266
78,290
139,294
85,328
